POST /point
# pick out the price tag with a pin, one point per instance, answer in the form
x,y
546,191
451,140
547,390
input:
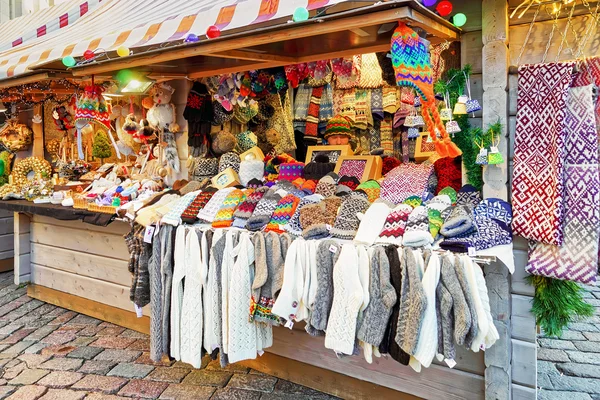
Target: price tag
x,y
157,229
289,324
138,311
482,347
450,363
148,234
472,252
260,353
333,249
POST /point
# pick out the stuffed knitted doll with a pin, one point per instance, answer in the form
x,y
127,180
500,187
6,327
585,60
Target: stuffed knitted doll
x,y
91,107
410,58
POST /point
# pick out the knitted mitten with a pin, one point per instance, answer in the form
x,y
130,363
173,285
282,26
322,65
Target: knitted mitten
x,y
294,227
349,181
224,217
245,209
413,201
417,233
347,221
251,169
173,217
494,209
326,186
309,186
459,223
437,207
283,213
468,196
448,191
207,214
190,215
343,190
372,188
263,210
395,223
317,219
372,222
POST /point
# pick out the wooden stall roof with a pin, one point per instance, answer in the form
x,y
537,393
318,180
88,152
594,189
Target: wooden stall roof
x,y
336,28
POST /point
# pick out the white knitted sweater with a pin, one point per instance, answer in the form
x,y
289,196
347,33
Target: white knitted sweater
x,y
212,314
177,290
428,336
288,302
347,300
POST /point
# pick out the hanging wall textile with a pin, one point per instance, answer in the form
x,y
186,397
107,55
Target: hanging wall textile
x,y
539,143
577,258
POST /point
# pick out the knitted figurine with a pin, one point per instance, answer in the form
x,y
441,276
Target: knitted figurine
x,y
410,58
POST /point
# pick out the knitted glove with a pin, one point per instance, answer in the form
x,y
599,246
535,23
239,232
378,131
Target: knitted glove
x,y
224,217
245,209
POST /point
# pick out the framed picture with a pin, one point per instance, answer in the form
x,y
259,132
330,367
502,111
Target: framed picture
x,y
333,152
424,148
362,168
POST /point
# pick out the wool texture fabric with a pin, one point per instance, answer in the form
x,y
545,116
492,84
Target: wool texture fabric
x,y
319,315
459,223
291,171
229,160
339,125
577,258
224,217
372,188
449,173
436,208
283,213
318,168
244,211
372,222
538,186
347,221
263,210
251,169
387,136
395,223
404,181
326,186
208,212
316,219
416,233
205,168
349,180
468,195
312,117
294,227
389,163
173,217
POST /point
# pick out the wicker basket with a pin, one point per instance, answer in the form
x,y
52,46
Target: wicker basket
x,y
102,209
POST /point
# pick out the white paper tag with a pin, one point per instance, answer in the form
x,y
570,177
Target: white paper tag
x,y
494,149
472,252
148,235
157,229
333,249
138,311
429,139
483,152
450,363
289,324
328,227
482,347
130,216
260,353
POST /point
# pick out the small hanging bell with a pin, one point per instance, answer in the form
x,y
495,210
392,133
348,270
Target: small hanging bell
x,y
460,109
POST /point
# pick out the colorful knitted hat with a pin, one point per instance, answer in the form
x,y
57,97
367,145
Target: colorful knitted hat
x,y
319,167
371,188
339,125
224,217
229,160
190,215
91,107
283,213
291,171
347,221
395,223
244,211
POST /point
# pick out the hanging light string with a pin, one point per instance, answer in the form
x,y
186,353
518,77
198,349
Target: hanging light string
x,y
590,28
537,11
554,26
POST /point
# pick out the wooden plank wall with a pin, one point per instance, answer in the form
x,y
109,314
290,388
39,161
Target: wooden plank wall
x,y
6,240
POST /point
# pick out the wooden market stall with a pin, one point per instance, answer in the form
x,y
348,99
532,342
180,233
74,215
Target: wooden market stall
x,y
83,267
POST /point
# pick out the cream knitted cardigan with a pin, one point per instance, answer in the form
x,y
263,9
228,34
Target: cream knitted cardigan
x,y
428,336
191,309
227,266
177,291
212,325
347,300
288,302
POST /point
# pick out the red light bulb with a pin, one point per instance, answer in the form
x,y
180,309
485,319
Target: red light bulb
x,y
213,32
88,55
444,8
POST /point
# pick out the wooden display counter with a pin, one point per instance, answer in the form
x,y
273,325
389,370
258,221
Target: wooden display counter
x,y
83,268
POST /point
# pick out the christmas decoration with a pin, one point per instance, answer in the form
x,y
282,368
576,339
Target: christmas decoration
x,y
459,19
213,32
69,61
122,51
88,54
300,14
101,148
191,38
444,8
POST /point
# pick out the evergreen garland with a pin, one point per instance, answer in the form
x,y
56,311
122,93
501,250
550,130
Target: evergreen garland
x,y
557,303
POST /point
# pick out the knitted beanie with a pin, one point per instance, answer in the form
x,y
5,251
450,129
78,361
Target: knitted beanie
x,y
207,214
205,168
449,173
318,219
224,217
372,222
468,195
451,193
263,210
229,160
339,125
294,226
349,181
283,213
319,167
417,233
245,209
371,188
459,223
347,221
395,223
413,201
291,171
389,163
251,169
326,186
190,215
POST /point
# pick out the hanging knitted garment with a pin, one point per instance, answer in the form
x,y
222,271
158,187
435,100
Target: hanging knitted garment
x,y
312,118
387,141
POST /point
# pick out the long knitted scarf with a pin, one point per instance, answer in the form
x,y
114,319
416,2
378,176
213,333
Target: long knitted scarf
x,y
539,143
312,119
577,258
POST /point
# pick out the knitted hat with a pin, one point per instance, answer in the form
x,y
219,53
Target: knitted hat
x,y
449,173
347,221
413,201
468,195
272,166
459,223
349,181
254,183
224,217
450,192
494,209
205,168
326,186
229,160
294,227
263,210
319,167
190,215
220,114
208,212
389,163
245,209
395,223
372,222
417,233
339,125
245,141
291,171
371,188
251,169
283,213
223,142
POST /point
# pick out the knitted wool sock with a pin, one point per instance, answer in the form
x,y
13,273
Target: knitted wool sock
x,y
468,196
224,217
326,105
263,210
417,233
459,223
207,214
190,215
283,213
251,169
245,209
173,217
347,221
377,103
395,223
294,227
387,136
312,118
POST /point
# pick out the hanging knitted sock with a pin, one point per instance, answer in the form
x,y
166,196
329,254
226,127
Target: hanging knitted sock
x,y
377,104
264,209
360,105
374,136
387,141
244,211
224,217
312,119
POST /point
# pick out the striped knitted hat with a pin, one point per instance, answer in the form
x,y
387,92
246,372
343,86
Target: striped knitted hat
x,y
339,125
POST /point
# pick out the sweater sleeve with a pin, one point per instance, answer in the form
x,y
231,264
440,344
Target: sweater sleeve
x,y
177,290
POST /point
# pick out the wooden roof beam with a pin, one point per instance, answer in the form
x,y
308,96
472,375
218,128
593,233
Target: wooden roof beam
x,y
230,70
253,56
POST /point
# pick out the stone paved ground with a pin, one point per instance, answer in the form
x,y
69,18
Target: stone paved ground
x,y
49,353
569,367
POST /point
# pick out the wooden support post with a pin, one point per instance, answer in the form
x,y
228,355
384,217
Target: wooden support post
x,y
38,130
22,248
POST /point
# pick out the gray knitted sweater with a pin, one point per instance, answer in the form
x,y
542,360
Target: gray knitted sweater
x,y
156,350
319,315
460,308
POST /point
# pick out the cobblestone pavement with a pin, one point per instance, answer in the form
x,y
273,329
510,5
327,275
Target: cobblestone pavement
x,y
49,353
569,367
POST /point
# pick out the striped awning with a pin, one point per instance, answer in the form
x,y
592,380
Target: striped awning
x,y
139,23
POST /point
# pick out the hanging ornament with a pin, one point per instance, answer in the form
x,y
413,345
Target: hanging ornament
x,y
429,3
300,14
191,38
213,32
69,61
459,19
89,54
123,51
444,8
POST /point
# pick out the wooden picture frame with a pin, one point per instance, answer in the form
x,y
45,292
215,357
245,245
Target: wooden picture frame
x,y
368,171
424,148
337,151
